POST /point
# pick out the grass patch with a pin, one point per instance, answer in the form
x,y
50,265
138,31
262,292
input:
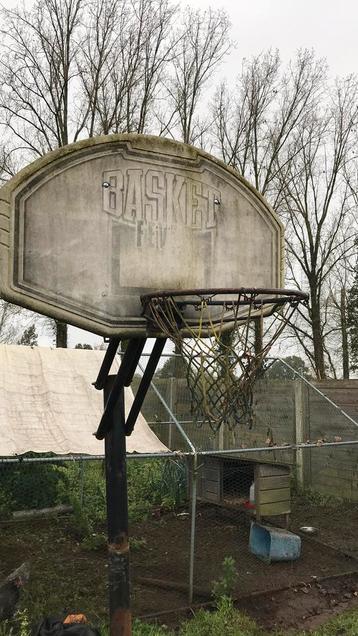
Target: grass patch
x,y
227,621
224,621
345,624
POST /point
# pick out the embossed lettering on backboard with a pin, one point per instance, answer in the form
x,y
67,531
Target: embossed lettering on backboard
x,y
150,210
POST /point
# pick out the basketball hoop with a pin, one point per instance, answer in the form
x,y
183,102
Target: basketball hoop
x,y
220,334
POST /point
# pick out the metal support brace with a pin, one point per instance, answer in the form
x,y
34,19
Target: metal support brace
x,y
145,384
123,378
133,363
106,364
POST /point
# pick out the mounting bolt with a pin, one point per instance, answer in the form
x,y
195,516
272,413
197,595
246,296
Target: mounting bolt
x,y
106,184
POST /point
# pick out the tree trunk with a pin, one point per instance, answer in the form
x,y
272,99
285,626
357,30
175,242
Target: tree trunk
x,y
345,351
318,349
61,334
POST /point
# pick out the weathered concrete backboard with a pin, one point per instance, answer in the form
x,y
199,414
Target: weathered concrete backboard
x,y
87,229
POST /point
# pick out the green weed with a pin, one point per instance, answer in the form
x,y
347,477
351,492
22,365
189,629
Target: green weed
x,y
226,620
145,629
137,543
344,625
224,587
94,541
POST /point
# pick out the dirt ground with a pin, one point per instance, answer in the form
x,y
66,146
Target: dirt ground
x,y
306,606
337,525
68,578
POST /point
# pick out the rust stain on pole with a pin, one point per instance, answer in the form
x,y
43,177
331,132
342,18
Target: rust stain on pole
x,y
121,622
121,547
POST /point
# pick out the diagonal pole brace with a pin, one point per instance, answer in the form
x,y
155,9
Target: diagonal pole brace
x,y
111,351
145,383
123,378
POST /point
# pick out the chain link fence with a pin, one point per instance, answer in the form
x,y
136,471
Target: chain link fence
x,y
192,511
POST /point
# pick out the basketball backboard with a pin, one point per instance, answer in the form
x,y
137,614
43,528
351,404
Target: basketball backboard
x,y
87,229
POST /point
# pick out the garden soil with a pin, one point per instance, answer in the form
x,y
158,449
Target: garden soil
x,y
67,577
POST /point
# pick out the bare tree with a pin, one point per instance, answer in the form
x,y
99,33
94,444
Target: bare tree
x,y
123,62
201,44
319,210
337,306
254,123
13,320
291,134
95,59
70,69
37,72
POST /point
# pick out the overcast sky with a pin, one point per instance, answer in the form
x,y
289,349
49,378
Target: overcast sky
x,y
326,26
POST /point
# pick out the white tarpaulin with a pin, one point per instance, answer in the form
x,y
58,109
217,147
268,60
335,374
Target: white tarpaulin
x,y
48,403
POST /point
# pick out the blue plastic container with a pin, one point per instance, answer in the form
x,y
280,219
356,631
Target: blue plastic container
x,y
273,544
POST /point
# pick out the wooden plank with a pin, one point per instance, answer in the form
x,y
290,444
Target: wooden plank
x,y
329,473
327,384
209,496
272,496
342,486
211,479
212,463
336,472
335,490
211,474
273,509
262,457
344,392
341,397
211,487
343,468
269,470
331,416
279,481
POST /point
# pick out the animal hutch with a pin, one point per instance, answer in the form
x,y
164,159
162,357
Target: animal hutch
x,y
226,481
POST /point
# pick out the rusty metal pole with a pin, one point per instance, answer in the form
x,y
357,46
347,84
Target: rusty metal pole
x,y
117,518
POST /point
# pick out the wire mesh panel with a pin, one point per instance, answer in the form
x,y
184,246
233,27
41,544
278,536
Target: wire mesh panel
x,y
288,416
53,511
159,534
273,413
53,514
227,507
329,504
333,471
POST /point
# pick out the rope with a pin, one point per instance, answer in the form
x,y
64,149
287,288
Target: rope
x,y
217,343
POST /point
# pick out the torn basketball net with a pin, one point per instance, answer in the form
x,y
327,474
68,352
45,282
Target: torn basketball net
x,y
223,336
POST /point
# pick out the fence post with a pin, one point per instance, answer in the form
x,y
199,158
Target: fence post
x,y
193,476
302,434
221,437
82,467
171,406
